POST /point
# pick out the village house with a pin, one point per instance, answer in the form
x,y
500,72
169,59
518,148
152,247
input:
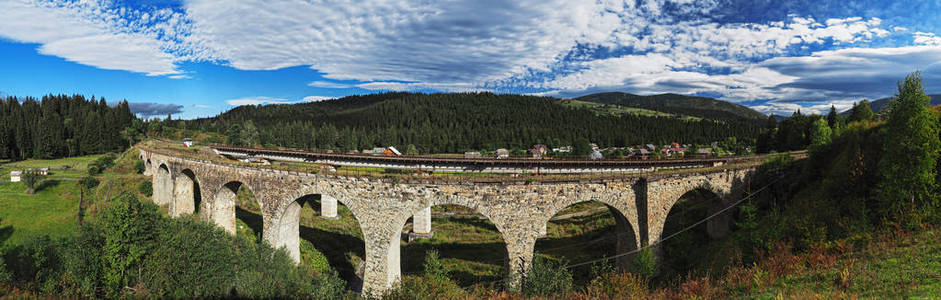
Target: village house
x,y
643,153
187,142
15,176
705,152
390,151
563,149
596,155
538,151
472,154
502,153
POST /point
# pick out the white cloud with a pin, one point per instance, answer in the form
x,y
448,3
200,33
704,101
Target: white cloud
x,y
88,33
927,38
329,85
317,98
257,100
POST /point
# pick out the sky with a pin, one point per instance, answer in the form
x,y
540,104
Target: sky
x,y
197,58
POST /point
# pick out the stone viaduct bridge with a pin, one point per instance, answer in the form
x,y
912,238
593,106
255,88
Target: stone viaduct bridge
x,y
382,206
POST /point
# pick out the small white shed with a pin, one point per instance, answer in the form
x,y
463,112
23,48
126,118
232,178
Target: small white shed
x,y
15,176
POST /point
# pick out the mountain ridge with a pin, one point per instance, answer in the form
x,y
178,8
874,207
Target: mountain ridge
x,y
700,107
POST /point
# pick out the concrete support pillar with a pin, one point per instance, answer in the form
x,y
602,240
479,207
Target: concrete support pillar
x,y
183,197
284,231
421,225
223,209
383,263
328,207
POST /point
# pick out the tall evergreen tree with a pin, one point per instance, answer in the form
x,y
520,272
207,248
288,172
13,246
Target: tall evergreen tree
x,y
910,151
861,112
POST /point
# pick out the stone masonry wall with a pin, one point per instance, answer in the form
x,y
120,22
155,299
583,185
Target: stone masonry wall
x,y
519,210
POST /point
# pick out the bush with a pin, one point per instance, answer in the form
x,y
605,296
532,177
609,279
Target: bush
x,y
129,227
433,284
33,263
547,278
615,285
88,182
146,188
645,263
101,164
139,167
5,277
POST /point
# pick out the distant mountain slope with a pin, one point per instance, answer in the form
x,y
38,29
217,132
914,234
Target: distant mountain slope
x,y
700,107
878,105
449,123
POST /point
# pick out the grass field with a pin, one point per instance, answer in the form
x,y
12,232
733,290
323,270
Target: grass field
x,y
893,266
616,110
53,210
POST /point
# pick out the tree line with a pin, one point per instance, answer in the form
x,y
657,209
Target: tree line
x,y
61,125
456,122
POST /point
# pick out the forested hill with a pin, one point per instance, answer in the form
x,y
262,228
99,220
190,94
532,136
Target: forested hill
x,y
61,125
702,107
878,105
453,123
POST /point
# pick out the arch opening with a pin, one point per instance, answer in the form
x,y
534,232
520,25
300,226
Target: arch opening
x,y
469,245
703,247
587,231
323,242
236,210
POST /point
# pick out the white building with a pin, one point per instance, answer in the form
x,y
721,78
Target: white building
x,y
15,176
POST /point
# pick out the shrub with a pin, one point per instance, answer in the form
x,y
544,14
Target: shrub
x,y
6,278
130,228
31,178
614,285
81,265
433,284
547,278
33,263
146,188
139,167
645,263
208,260
88,182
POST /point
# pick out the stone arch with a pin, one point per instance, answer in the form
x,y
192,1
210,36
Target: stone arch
x,y
162,185
665,193
492,252
223,208
187,195
285,226
625,229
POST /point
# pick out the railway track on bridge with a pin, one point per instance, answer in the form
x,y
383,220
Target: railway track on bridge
x,y
488,165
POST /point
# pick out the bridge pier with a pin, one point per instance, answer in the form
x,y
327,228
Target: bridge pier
x,y
328,207
222,208
421,225
162,186
383,270
520,247
284,231
183,196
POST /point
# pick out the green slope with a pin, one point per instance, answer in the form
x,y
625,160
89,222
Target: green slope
x,y
701,107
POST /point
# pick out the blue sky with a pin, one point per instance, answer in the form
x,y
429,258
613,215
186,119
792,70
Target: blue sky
x,y
201,57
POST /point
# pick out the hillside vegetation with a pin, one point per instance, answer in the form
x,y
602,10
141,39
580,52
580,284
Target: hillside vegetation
x,y
700,107
439,123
